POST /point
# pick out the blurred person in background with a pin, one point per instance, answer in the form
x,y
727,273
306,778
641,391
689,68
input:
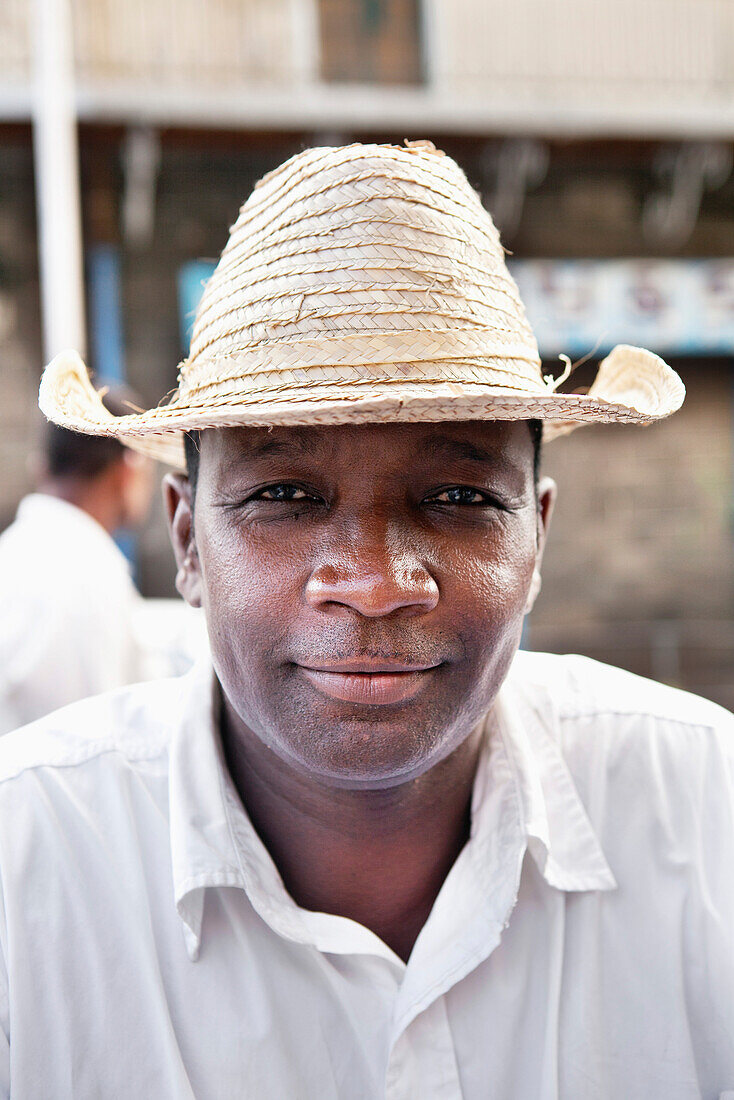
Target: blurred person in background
x,y
67,599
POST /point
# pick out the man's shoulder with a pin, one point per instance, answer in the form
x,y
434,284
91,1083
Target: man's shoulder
x,y
620,733
129,724
579,688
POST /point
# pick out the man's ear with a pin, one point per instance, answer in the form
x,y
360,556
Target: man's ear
x,y
177,500
547,492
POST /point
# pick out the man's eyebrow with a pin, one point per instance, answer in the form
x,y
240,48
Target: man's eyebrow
x,y
298,442
446,447
496,460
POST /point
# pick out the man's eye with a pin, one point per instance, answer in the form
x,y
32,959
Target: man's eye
x,y
460,494
282,492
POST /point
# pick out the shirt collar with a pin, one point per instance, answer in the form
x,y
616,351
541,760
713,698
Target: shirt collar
x,y
203,852
561,838
524,801
213,843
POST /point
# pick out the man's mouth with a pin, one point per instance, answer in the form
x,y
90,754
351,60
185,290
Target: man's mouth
x,y
367,681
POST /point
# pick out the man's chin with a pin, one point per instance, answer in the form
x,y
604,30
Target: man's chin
x,y
367,751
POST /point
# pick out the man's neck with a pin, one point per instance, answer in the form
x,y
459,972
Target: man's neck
x,y
379,856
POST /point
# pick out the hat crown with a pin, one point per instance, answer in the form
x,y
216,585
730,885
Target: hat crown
x,y
357,257
363,284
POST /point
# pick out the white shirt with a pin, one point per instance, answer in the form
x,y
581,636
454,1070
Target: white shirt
x,y
582,946
72,622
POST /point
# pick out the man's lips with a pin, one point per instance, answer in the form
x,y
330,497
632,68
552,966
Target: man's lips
x,y
377,683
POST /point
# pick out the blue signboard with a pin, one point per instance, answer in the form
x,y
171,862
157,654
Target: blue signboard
x,y
674,307
192,278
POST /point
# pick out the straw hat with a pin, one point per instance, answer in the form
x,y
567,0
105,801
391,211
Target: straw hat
x,y
363,284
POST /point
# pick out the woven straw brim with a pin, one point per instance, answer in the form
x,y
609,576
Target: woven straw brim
x,y
633,386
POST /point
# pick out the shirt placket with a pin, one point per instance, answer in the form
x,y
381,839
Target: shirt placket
x,y
480,892
422,1060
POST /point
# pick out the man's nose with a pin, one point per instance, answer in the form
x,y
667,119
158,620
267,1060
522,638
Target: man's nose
x,y
372,579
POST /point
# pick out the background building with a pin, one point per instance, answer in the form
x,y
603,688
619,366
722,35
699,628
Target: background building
x,y
595,131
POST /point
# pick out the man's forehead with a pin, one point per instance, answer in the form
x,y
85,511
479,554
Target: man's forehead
x,y
473,441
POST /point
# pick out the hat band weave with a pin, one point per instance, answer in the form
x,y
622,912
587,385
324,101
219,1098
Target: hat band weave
x,y
363,349
261,385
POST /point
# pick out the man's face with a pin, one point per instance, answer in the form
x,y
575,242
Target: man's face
x,y
364,587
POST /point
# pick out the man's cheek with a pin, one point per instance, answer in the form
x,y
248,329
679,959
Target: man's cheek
x,y
246,629
500,588
242,648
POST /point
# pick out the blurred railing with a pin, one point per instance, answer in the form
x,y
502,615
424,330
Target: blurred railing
x,y
612,48
624,65
187,42
15,41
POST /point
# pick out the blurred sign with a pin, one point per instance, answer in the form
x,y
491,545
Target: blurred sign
x,y
675,307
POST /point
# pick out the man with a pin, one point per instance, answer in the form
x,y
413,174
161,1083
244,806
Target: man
x,y
67,600
374,852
